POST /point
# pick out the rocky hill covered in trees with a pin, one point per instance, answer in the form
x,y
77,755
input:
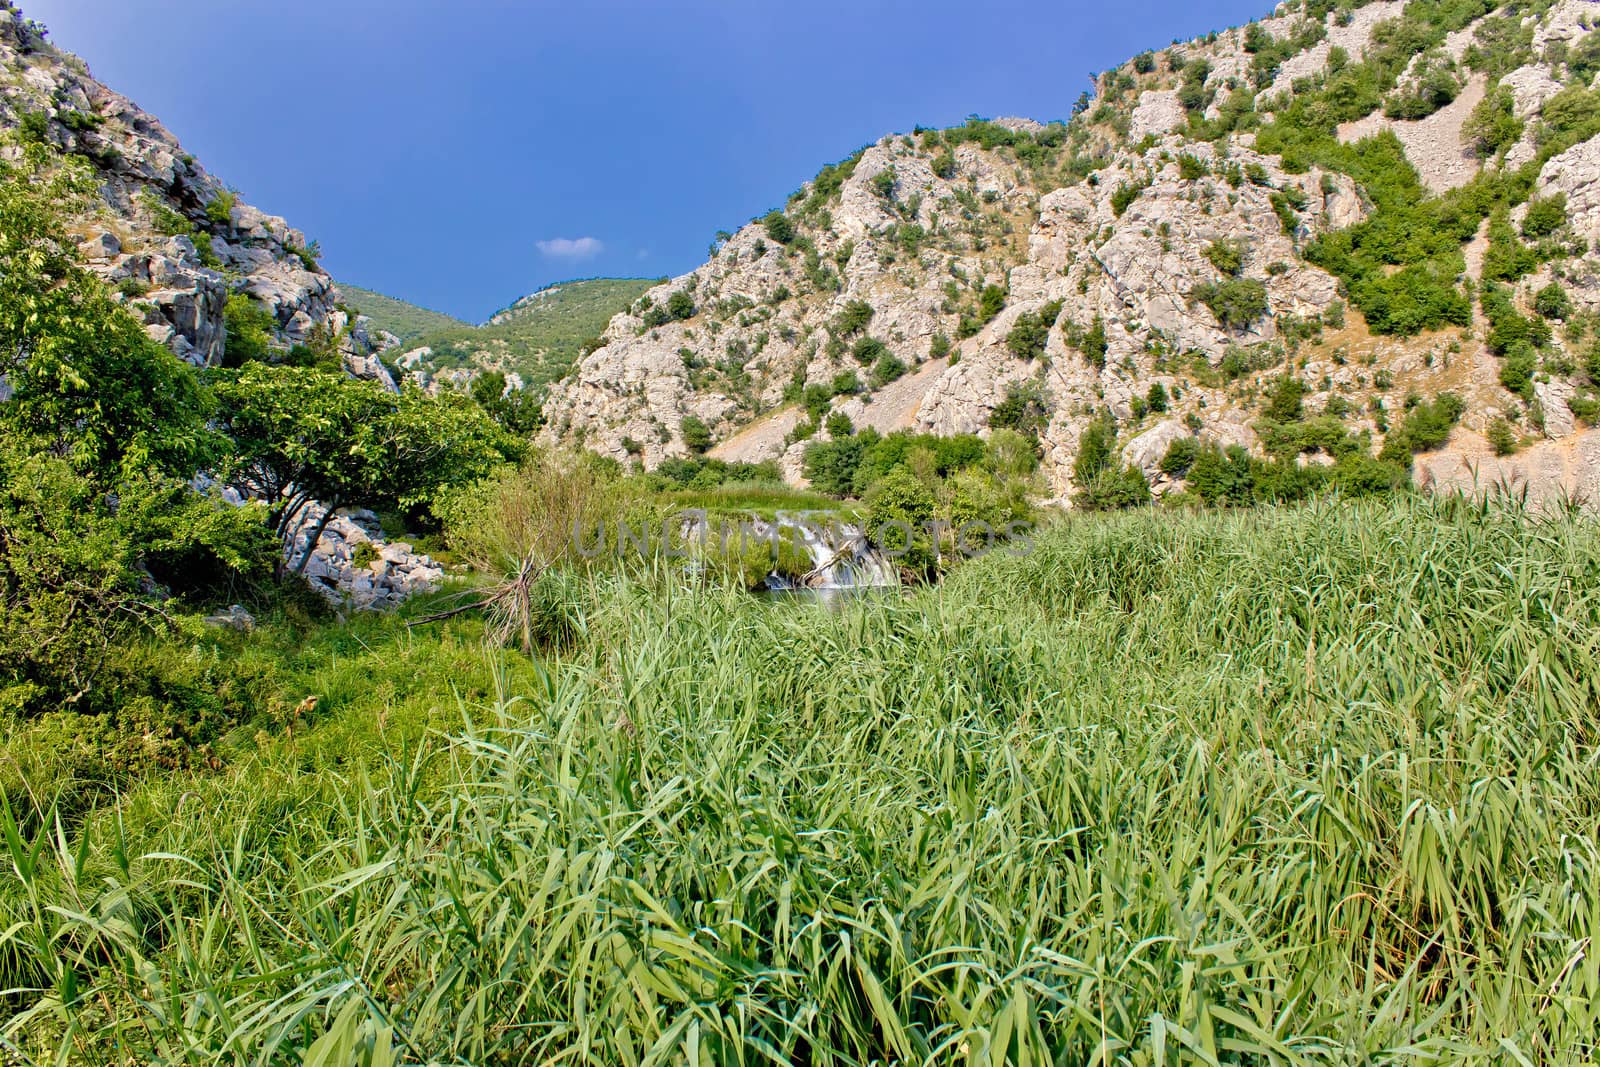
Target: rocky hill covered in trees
x,y
212,277
1333,238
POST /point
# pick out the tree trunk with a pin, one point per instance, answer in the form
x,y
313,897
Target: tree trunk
x,y
316,536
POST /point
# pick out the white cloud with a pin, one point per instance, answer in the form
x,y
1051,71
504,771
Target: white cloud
x,y
571,247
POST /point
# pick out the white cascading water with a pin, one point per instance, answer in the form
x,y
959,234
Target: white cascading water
x,y
841,555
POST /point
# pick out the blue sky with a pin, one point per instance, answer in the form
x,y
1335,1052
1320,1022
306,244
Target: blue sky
x,y
461,154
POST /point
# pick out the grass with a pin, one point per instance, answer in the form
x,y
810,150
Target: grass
x,y
406,321
1311,785
755,498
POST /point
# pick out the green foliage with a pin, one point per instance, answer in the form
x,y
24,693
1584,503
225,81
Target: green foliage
x,y
88,383
695,433
406,321
514,409
248,337
1545,215
899,507
867,350
1091,342
887,367
1426,427
1552,302
1156,398
1502,438
1506,258
852,318
219,209
1028,336
390,809
1024,410
1227,256
540,337
779,227
1493,124
303,435
1284,399
1190,168
680,306
1180,456
839,425
99,526
1435,86
1124,195
991,301
1236,302
1509,329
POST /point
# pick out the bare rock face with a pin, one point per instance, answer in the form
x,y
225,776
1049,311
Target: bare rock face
x,y
171,237
1576,173
352,565
1158,114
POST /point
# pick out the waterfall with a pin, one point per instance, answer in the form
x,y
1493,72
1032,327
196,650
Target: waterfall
x,y
841,555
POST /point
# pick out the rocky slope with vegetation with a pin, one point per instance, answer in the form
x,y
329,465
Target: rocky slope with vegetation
x,y
205,271
1273,246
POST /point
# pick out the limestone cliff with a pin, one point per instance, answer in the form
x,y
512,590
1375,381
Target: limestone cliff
x,y
1151,240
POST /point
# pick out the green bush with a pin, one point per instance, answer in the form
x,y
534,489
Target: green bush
x,y
852,318
1156,397
1493,124
1552,302
886,368
1028,336
247,331
1227,256
219,210
868,350
779,227
1502,438
695,433
1426,427
680,306
1024,410
1546,215
1237,302
1124,194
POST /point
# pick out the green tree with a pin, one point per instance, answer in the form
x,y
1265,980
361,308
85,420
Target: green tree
x,y
696,434
307,436
1493,124
899,507
86,381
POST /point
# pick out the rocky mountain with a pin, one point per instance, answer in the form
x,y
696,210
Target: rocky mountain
x,y
1385,201
176,242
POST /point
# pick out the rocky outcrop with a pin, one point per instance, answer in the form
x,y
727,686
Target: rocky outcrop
x,y
1169,260
169,236
353,566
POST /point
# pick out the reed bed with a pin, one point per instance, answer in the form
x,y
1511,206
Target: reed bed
x,y
1315,785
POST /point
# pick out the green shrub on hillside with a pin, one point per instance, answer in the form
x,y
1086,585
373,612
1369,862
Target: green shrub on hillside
x,y
695,433
1236,302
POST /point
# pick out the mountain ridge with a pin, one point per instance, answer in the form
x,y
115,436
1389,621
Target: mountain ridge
x,y
1170,249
